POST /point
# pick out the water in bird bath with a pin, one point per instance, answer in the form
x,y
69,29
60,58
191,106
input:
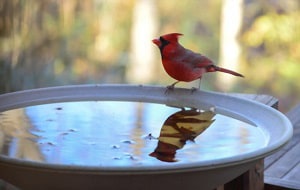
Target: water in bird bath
x,y
116,134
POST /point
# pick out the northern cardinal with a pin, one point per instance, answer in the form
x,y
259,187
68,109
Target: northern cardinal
x,y
183,64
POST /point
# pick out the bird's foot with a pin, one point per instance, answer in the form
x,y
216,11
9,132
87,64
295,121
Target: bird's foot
x,y
194,89
171,87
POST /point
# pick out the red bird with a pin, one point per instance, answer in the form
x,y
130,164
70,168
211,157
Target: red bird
x,y
183,64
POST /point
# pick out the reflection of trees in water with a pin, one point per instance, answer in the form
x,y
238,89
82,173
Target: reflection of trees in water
x,y
16,139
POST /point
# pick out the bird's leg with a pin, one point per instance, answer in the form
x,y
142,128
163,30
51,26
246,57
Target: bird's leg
x,y
171,87
199,83
194,88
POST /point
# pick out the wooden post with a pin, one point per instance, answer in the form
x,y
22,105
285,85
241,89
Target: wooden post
x,y
253,179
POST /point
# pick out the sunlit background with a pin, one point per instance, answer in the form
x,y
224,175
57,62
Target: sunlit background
x,y
66,42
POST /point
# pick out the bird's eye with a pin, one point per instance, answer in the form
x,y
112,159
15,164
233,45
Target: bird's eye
x,y
163,41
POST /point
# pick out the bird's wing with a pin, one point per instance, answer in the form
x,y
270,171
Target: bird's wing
x,y
195,60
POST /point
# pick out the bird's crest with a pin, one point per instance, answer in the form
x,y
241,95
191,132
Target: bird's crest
x,y
172,37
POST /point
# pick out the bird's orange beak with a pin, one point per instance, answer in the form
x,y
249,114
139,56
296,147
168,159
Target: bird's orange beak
x,y
156,42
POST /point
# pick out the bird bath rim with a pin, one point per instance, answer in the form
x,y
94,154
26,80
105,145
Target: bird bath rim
x,y
243,109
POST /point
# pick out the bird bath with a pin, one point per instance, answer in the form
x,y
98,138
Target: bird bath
x,y
102,136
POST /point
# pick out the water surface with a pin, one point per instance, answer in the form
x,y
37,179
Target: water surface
x,y
106,133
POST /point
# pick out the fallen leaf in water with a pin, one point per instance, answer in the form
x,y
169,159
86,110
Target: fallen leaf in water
x,y
177,129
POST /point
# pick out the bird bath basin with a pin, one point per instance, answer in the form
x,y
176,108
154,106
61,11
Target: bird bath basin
x,y
104,136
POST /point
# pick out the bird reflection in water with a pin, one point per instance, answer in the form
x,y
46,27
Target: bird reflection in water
x,y
177,129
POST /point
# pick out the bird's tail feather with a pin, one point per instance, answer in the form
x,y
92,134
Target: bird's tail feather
x,y
226,71
229,72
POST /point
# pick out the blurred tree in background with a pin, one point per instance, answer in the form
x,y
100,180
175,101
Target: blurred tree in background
x,y
51,42
271,44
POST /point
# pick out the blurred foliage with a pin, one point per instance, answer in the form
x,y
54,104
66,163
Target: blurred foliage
x,y
49,42
201,28
272,51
